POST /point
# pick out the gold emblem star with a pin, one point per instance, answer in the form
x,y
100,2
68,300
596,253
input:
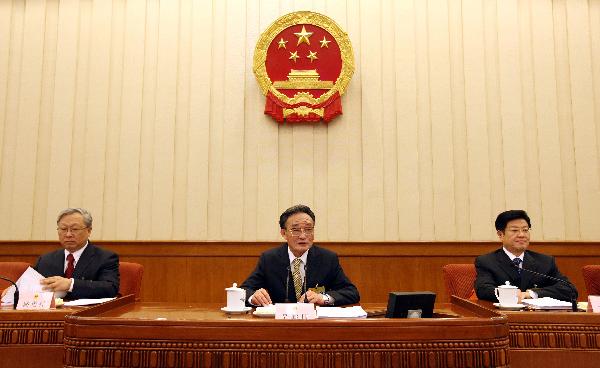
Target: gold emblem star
x,y
294,56
281,43
303,36
312,56
324,43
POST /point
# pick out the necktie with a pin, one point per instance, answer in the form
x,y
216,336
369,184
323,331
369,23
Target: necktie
x,y
517,262
297,277
70,266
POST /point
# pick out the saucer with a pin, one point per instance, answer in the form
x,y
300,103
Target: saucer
x,y
509,306
236,311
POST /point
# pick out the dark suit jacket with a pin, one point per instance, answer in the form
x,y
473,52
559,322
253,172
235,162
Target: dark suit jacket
x,y
96,273
494,269
322,267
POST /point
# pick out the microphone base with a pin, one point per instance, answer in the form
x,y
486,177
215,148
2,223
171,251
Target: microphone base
x,y
574,306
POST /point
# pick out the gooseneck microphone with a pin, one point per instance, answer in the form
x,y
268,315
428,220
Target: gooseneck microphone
x,y
571,287
287,285
16,295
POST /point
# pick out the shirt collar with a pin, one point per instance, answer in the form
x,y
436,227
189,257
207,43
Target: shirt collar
x,y
303,257
77,254
512,256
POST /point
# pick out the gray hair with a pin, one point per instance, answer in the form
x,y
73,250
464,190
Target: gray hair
x,y
87,217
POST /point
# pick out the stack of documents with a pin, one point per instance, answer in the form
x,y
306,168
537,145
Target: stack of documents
x,y
81,302
30,280
547,303
339,312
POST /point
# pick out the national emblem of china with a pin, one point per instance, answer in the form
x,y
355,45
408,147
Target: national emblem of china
x,y
303,63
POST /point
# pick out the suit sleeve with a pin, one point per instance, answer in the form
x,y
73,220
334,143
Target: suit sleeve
x,y
341,289
105,283
37,265
485,282
256,280
555,289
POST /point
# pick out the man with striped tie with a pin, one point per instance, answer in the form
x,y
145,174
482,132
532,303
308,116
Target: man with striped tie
x,y
531,272
299,271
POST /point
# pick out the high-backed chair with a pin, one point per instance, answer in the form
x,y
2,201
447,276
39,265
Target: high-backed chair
x,y
131,279
591,276
11,270
459,279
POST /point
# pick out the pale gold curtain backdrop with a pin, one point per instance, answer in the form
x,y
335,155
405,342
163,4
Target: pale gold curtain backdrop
x,y
148,114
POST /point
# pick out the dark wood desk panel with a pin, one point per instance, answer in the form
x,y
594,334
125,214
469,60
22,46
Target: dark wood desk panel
x,y
553,338
32,338
199,271
125,333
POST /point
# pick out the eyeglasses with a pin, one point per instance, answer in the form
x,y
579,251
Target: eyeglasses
x,y
73,230
297,232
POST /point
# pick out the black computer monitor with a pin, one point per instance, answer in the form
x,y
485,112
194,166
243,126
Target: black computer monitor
x,y
411,304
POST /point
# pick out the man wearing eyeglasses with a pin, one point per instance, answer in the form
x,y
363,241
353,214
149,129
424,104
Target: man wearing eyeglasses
x,y
299,271
80,269
514,263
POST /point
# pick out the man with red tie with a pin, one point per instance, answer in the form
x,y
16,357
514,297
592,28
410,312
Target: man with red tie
x,y
80,269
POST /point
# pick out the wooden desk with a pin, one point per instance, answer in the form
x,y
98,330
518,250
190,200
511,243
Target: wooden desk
x,y
142,334
553,338
32,338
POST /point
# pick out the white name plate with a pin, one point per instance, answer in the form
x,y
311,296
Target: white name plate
x,y
295,311
29,300
594,303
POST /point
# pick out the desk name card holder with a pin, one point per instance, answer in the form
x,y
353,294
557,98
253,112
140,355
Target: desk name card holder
x,y
35,300
593,303
295,311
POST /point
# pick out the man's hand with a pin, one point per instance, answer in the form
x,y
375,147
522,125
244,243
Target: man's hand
x,y
524,295
313,297
261,297
56,283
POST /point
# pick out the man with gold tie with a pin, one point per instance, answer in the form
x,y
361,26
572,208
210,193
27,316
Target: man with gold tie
x,y
299,271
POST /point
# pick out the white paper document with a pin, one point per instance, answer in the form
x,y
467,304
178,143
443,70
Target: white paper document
x,y
81,302
29,281
340,312
547,303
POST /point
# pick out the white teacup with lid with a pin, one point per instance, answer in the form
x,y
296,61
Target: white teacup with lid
x,y
507,294
236,298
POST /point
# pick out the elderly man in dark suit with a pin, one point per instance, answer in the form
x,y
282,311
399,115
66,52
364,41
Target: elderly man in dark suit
x,y
298,270
80,269
512,262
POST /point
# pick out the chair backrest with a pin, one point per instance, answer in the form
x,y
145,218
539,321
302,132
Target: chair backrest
x,y
591,276
459,279
131,279
11,270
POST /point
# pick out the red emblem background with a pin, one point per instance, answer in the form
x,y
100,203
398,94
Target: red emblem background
x,y
296,102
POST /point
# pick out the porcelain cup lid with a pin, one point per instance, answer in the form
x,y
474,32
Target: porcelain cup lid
x,y
507,285
233,288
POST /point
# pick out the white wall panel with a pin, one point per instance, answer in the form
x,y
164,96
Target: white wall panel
x,y
148,114
146,164
407,121
28,113
108,217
